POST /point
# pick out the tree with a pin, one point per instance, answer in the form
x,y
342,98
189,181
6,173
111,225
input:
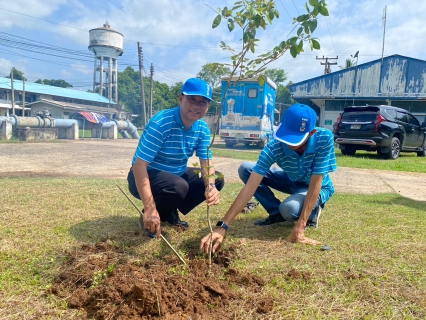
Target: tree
x,y
56,83
213,73
277,75
348,64
17,75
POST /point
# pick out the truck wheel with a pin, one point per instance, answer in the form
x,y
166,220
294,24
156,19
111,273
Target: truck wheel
x,y
348,151
423,152
229,144
394,149
262,143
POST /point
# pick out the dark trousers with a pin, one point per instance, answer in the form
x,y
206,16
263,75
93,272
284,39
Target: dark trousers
x,y
172,192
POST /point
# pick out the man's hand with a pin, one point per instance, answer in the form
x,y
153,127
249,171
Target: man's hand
x,y
217,236
298,236
212,196
152,222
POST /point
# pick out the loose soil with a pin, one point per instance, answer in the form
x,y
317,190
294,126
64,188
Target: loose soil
x,y
100,280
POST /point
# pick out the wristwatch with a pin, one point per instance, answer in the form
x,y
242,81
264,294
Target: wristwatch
x,y
223,225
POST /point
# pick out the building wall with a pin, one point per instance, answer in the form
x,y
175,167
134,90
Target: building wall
x,y
55,112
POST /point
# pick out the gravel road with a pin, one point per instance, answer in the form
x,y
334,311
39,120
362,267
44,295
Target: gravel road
x,y
112,159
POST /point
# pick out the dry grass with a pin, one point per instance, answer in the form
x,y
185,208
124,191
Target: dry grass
x,y
376,269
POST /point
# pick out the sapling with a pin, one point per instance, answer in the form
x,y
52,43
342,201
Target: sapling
x,y
248,16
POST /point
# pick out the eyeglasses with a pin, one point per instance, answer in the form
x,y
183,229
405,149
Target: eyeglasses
x,y
200,103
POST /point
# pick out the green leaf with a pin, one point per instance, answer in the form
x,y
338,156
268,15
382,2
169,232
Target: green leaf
x,y
313,25
263,24
252,47
277,14
300,46
231,25
261,80
245,37
316,44
307,8
306,30
224,11
302,17
313,2
257,21
271,15
324,11
217,21
293,51
299,31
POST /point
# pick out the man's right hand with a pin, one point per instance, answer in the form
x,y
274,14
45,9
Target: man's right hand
x,y
217,238
152,222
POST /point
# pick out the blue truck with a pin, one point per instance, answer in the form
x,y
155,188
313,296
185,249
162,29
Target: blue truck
x,y
248,111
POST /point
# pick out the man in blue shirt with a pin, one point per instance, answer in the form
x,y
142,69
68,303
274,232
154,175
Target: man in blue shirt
x,y
305,156
159,175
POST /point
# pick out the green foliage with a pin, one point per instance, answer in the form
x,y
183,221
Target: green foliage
x,y
213,73
17,75
349,63
56,83
252,15
129,93
279,76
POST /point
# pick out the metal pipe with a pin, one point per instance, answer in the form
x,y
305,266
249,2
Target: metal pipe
x,y
125,127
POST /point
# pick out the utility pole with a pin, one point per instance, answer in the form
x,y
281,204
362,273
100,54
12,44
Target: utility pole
x,y
152,89
23,97
142,84
327,64
384,31
13,92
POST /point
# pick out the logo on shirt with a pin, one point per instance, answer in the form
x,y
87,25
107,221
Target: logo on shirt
x,y
303,127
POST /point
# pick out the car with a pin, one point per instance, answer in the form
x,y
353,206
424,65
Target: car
x,y
385,129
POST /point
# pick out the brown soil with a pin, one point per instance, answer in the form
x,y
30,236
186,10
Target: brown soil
x,y
99,280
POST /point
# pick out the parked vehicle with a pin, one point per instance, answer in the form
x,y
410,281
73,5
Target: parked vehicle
x,y
385,129
248,111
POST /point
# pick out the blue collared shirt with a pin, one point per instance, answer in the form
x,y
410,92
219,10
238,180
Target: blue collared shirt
x,y
318,159
166,146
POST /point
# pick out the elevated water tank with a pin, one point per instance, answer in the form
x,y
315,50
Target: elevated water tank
x,y
107,45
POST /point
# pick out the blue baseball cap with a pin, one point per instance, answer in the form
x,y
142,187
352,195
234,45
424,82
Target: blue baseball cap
x,y
298,121
197,87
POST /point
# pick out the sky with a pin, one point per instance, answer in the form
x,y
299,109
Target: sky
x,y
178,39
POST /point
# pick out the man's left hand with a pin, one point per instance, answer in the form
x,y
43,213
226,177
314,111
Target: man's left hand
x,y
298,236
212,196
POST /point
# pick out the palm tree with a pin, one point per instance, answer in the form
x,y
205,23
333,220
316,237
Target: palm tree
x,y
348,64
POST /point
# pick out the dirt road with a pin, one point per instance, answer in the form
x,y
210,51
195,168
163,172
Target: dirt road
x,y
112,159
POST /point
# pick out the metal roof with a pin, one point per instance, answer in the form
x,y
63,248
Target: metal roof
x,y
75,106
398,77
53,91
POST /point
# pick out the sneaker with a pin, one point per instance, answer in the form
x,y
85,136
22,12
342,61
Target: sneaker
x,y
275,218
314,223
148,233
175,221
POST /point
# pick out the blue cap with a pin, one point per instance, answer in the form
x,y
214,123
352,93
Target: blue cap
x,y
197,87
298,121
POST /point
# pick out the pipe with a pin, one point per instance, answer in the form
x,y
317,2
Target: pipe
x,y
123,126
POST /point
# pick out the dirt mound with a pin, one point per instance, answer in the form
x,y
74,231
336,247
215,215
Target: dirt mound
x,y
100,280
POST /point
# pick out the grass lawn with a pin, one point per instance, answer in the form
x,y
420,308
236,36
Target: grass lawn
x,y
376,269
408,162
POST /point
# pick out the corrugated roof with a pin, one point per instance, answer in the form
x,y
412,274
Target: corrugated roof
x,y
54,91
75,106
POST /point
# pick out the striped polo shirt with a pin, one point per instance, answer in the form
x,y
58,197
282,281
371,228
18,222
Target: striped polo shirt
x,y
318,159
166,146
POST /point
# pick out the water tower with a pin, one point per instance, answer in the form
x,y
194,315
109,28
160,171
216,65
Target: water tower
x,y
107,45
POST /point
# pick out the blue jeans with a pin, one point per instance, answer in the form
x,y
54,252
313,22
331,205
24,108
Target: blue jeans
x,y
277,179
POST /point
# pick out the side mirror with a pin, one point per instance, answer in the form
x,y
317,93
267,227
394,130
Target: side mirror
x,y
423,125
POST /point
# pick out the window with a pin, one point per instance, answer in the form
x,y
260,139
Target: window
x,y
252,93
402,117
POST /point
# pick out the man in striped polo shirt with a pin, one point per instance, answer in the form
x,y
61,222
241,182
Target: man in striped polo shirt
x,y
159,175
305,156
